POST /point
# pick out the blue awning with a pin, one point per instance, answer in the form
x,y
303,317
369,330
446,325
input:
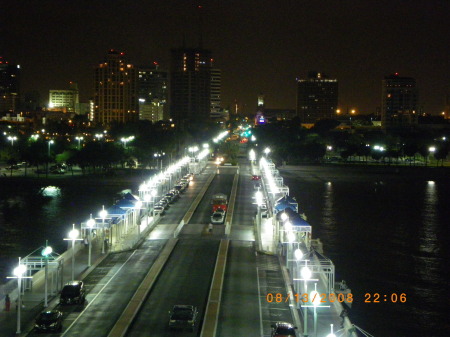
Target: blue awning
x,y
294,218
115,211
286,202
129,196
125,203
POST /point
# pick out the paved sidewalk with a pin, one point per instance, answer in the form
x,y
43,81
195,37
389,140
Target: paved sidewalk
x,y
33,300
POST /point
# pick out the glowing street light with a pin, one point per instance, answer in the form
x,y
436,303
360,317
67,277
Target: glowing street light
x,y
331,334
18,274
46,253
50,142
79,140
306,275
252,155
267,151
12,139
315,296
125,140
73,236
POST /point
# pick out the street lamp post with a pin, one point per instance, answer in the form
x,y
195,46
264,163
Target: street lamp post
x,y
103,214
79,140
306,275
50,142
125,140
12,139
73,236
315,301
46,253
18,274
432,150
90,224
331,334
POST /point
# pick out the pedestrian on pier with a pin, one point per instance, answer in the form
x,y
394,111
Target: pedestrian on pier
x,y
7,303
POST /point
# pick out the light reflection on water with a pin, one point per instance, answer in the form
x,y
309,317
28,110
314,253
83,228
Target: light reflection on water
x,y
385,237
29,217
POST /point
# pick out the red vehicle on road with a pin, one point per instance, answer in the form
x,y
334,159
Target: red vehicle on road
x,y
219,201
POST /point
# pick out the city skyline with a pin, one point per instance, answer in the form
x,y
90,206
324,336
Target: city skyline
x,y
260,46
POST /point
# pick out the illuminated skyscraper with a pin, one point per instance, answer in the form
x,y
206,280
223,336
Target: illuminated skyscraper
x,y
115,90
153,93
190,86
399,101
216,89
317,97
9,86
66,100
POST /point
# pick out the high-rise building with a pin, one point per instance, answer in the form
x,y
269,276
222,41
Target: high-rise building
x,y
399,102
115,90
9,86
66,100
190,85
216,89
153,93
317,97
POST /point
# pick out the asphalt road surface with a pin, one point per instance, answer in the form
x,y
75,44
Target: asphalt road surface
x,y
185,279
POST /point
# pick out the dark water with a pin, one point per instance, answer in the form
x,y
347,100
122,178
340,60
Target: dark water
x,y
27,219
384,235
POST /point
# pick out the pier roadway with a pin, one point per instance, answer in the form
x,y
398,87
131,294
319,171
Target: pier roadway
x,y
109,288
185,280
201,218
186,276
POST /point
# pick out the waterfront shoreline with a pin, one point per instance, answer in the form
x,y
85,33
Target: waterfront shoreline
x,y
364,172
133,178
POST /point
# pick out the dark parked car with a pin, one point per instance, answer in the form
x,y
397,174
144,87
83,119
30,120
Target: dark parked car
x,y
49,321
283,329
73,293
183,317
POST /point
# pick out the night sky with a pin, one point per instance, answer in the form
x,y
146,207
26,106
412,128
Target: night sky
x,y
262,46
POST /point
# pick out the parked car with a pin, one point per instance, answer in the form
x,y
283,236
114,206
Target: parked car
x,y
159,210
283,329
183,317
73,293
172,196
50,320
180,187
218,217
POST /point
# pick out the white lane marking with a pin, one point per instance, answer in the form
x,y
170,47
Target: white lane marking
x,y
92,301
259,300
